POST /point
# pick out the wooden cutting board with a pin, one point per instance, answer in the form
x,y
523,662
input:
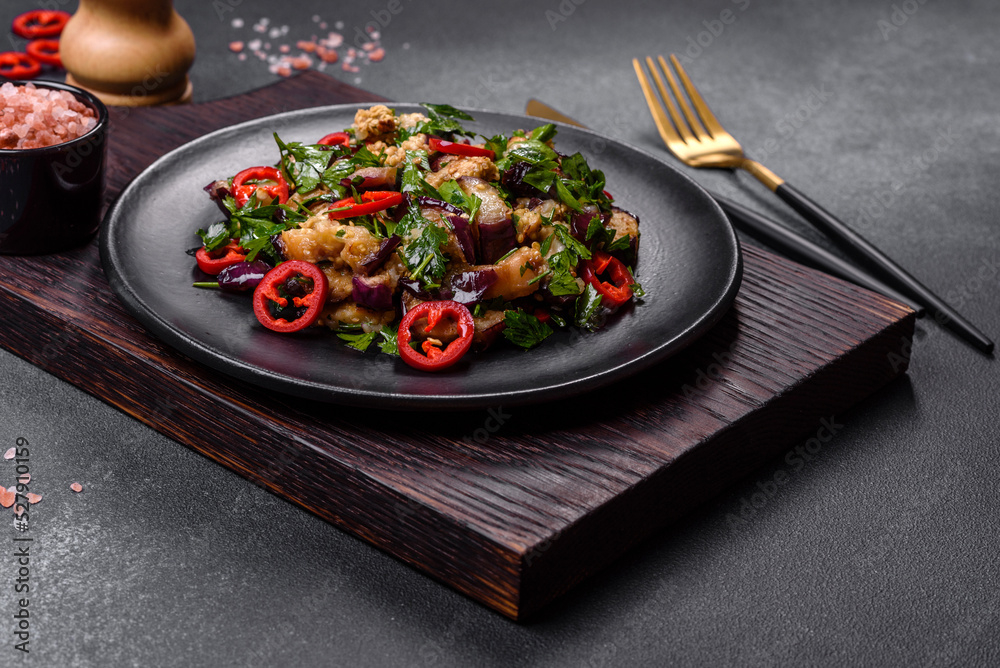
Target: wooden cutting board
x,y
511,506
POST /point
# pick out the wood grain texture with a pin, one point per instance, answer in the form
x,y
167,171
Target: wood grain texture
x,y
512,507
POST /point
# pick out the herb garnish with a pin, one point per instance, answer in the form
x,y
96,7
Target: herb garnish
x,y
587,313
253,225
524,330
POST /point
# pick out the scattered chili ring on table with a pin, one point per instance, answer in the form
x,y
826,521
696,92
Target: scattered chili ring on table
x,y
212,262
435,358
45,51
371,202
335,139
269,179
17,65
291,296
612,295
454,148
40,23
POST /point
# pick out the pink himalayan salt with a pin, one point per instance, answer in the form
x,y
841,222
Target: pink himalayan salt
x,y
33,117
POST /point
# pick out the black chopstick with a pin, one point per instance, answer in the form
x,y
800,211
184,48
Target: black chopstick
x,y
798,248
902,280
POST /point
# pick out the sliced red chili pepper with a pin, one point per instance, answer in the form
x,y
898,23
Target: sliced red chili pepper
x,y
17,65
40,23
270,179
454,148
212,262
542,315
370,203
435,358
45,51
293,289
335,138
612,295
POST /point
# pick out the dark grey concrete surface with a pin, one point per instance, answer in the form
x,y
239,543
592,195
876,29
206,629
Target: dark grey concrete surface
x,y
879,550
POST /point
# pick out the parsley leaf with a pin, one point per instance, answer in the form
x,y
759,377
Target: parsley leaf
x,y
389,343
253,225
216,236
423,255
413,179
544,133
443,120
303,164
563,282
531,151
452,193
359,341
571,243
563,191
497,143
587,313
446,110
524,330
605,236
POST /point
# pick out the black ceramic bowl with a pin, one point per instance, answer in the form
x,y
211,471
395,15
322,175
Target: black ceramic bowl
x,y
50,197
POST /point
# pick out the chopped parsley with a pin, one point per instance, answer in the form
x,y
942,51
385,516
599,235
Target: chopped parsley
x,y
443,121
389,343
452,193
605,237
423,254
587,314
360,341
253,225
524,330
363,340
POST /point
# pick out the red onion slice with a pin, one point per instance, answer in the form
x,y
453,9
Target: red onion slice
x,y
376,296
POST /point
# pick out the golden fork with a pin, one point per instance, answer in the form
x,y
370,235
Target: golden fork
x,y
698,139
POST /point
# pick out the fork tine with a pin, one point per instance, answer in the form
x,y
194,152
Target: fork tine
x,y
667,132
707,117
693,122
682,127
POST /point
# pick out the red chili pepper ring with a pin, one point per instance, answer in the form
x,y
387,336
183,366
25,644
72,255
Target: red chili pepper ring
x,y
212,262
291,296
436,358
45,51
17,65
335,139
40,23
268,179
612,296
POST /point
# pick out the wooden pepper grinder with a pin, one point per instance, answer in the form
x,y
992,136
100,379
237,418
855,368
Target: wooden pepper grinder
x,y
129,52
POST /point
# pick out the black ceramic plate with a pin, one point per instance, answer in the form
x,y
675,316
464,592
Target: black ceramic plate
x,y
689,264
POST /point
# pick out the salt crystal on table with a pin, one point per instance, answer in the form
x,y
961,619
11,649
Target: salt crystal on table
x,y
237,23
